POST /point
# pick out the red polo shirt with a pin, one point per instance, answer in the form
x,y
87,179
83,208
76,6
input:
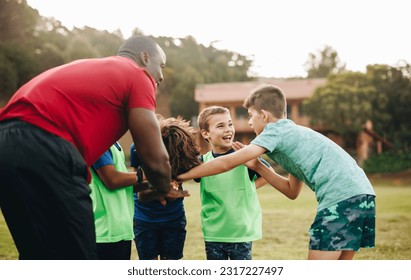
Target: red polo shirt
x,y
84,102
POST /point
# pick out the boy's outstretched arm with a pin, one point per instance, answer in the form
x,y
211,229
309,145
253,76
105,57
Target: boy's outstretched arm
x,y
252,164
260,182
114,179
223,163
150,148
290,187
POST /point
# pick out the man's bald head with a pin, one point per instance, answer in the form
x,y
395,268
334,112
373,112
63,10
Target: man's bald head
x,y
147,54
133,47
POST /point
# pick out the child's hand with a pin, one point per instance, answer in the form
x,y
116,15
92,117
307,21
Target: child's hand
x,y
174,194
174,185
163,201
252,164
238,145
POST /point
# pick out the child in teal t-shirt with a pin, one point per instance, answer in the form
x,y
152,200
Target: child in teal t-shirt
x,y
345,219
231,214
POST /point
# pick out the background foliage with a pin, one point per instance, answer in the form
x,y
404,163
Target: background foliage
x,y
391,161
349,99
30,44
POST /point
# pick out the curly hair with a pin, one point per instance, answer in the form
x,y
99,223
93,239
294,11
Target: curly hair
x,y
179,140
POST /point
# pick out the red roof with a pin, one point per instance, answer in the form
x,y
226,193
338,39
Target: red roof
x,y
238,91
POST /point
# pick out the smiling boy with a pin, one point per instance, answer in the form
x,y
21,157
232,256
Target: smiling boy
x,y
231,212
345,219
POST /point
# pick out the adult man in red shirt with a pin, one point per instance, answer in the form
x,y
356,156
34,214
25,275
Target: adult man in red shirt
x,y
56,126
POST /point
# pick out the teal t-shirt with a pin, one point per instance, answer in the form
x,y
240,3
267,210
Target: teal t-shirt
x,y
113,209
230,210
316,160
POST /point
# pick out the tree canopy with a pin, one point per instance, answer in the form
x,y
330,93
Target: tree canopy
x,y
30,44
323,63
348,100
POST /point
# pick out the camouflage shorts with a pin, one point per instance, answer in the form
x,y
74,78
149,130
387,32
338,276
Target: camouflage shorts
x,y
348,225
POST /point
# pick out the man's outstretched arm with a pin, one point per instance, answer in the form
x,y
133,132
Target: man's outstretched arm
x,y
150,148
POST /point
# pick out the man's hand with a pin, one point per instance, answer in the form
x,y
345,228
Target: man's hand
x,y
174,193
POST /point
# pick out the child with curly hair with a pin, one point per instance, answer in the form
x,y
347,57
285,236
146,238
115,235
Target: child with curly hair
x,y
160,223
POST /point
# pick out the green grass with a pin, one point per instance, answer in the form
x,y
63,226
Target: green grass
x,y
286,223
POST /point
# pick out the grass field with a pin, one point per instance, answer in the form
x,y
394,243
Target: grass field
x,y
286,223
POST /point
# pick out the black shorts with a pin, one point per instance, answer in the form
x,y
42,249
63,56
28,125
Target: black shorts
x,y
44,194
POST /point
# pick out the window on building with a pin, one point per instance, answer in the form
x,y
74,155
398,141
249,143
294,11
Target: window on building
x,y
301,109
241,113
289,111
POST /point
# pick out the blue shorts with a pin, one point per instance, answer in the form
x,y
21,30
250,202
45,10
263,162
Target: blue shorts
x,y
164,239
228,251
348,225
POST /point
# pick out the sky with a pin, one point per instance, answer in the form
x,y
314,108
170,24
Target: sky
x,y
278,35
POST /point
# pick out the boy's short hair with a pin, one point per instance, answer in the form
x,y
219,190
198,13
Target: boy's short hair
x,y
205,114
267,97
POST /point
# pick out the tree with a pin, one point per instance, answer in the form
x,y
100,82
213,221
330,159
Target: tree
x,y
17,58
8,79
32,44
47,43
98,43
393,98
18,65
348,100
50,40
189,64
323,63
17,21
343,104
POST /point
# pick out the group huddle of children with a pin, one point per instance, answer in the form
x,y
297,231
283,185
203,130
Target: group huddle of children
x,y
229,175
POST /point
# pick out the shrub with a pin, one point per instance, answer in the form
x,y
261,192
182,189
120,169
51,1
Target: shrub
x,y
388,162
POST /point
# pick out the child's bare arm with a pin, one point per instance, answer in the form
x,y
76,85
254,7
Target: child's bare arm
x,y
114,179
253,164
223,163
260,182
290,187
